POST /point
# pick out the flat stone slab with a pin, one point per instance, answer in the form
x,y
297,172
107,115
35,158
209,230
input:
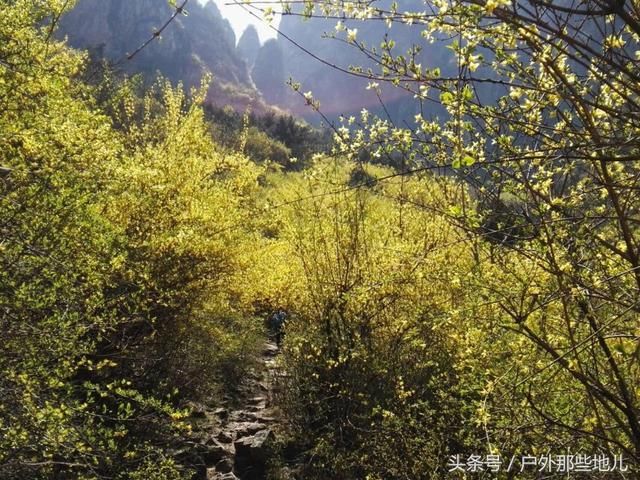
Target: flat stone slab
x,y
270,349
261,416
221,412
243,429
257,408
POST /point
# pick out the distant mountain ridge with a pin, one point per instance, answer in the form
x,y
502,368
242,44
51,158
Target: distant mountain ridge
x,y
202,41
249,74
327,77
338,91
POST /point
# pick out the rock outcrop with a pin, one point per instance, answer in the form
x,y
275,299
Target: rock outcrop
x,y
269,73
200,41
249,45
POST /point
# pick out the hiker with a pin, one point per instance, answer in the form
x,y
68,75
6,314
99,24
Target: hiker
x,y
277,325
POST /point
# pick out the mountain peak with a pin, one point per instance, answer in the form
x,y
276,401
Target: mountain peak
x,y
249,45
212,8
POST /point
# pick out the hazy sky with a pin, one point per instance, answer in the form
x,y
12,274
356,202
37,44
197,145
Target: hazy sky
x,y
240,18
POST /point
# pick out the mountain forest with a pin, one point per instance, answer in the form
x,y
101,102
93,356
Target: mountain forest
x,y
399,240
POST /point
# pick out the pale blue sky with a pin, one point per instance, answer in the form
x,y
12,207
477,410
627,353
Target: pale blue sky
x,y
240,19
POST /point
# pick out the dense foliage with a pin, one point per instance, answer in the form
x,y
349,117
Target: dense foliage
x,y
269,137
379,381
535,109
117,246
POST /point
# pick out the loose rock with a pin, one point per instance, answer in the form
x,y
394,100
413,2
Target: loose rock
x,y
254,448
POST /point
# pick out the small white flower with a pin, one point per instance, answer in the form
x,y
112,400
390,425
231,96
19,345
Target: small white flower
x,y
352,34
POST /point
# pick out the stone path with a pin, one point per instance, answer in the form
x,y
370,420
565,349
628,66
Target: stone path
x,y
238,440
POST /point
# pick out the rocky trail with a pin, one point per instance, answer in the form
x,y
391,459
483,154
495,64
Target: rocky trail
x,y
234,441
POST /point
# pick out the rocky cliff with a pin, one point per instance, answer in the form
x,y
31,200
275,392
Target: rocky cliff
x,y
249,45
269,73
192,45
